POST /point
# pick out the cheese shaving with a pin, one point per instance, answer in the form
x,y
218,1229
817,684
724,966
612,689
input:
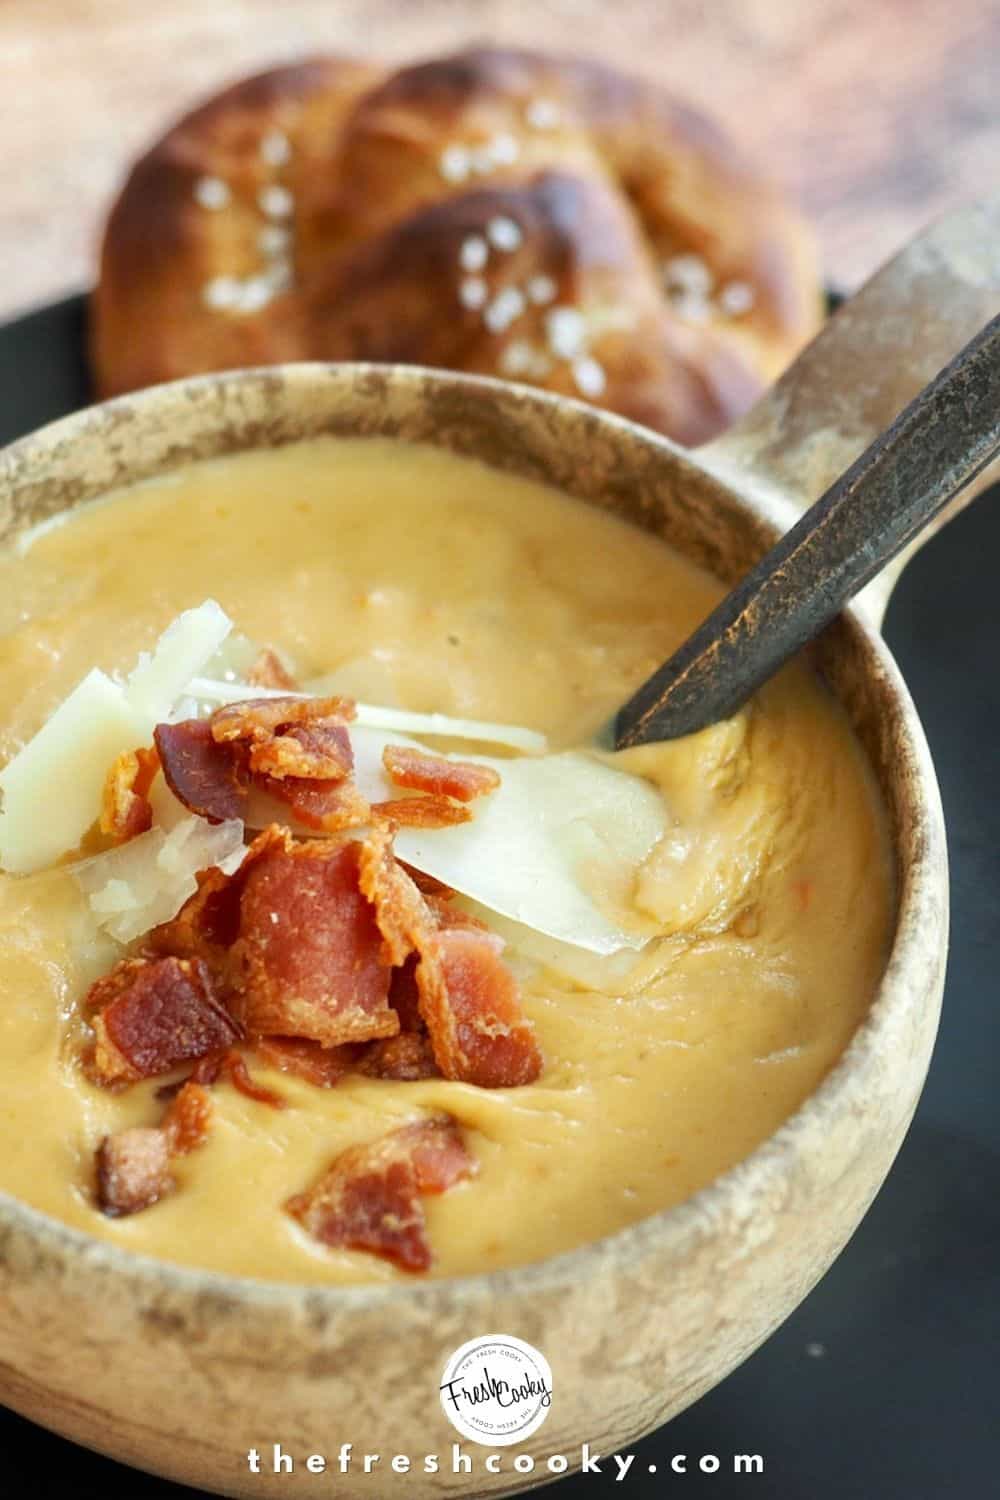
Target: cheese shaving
x,y
185,647
438,726
556,847
138,885
52,786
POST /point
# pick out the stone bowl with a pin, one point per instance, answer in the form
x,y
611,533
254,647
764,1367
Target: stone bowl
x,y
182,1372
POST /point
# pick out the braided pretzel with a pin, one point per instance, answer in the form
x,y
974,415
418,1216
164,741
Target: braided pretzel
x,y
542,219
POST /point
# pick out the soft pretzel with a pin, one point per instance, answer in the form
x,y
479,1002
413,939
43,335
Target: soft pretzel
x,y
539,218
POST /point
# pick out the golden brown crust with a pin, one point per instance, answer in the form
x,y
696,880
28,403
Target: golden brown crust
x,y
162,249
539,218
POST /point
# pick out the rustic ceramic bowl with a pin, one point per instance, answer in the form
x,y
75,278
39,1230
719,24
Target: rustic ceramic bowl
x,y
182,1372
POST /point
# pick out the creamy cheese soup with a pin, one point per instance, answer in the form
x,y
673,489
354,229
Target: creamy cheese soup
x,y
434,583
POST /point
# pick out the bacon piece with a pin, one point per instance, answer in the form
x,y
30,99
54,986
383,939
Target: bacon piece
x,y
403,1058
113,984
209,778
208,923
327,806
314,752
421,812
421,771
322,1066
187,1120
270,671
307,958
470,1002
369,1199
232,1066
401,912
133,1166
133,1170
259,719
404,996
125,807
154,1014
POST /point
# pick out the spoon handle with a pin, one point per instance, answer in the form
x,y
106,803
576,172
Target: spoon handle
x,y
936,445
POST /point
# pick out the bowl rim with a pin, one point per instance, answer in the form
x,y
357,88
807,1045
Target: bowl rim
x,y
921,906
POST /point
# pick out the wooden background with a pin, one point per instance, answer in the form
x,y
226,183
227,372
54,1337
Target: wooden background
x,y
877,115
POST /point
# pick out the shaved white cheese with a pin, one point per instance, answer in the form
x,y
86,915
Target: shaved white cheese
x,y
234,658
443,726
438,726
188,643
52,786
557,846
138,885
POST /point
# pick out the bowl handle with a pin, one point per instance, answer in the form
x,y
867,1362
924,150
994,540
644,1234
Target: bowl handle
x,y
872,357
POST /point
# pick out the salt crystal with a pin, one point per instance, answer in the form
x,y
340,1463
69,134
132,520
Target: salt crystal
x,y
473,292
504,149
454,163
518,358
221,293
589,376
474,253
687,273
211,192
275,201
736,297
541,289
566,331
504,233
504,309
273,240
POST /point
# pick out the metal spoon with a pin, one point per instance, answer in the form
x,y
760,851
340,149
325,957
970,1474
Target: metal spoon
x,y
936,445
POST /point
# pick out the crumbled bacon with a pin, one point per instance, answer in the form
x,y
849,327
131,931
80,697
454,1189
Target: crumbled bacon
x,y
307,961
314,752
327,806
469,1000
404,997
400,911
133,1165
208,923
403,1058
209,778
369,1199
154,1014
125,807
188,1118
421,771
259,719
460,989
421,812
232,1066
133,1170
322,1066
269,671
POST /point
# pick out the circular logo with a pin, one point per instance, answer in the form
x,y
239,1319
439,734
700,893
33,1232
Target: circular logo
x,y
496,1390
